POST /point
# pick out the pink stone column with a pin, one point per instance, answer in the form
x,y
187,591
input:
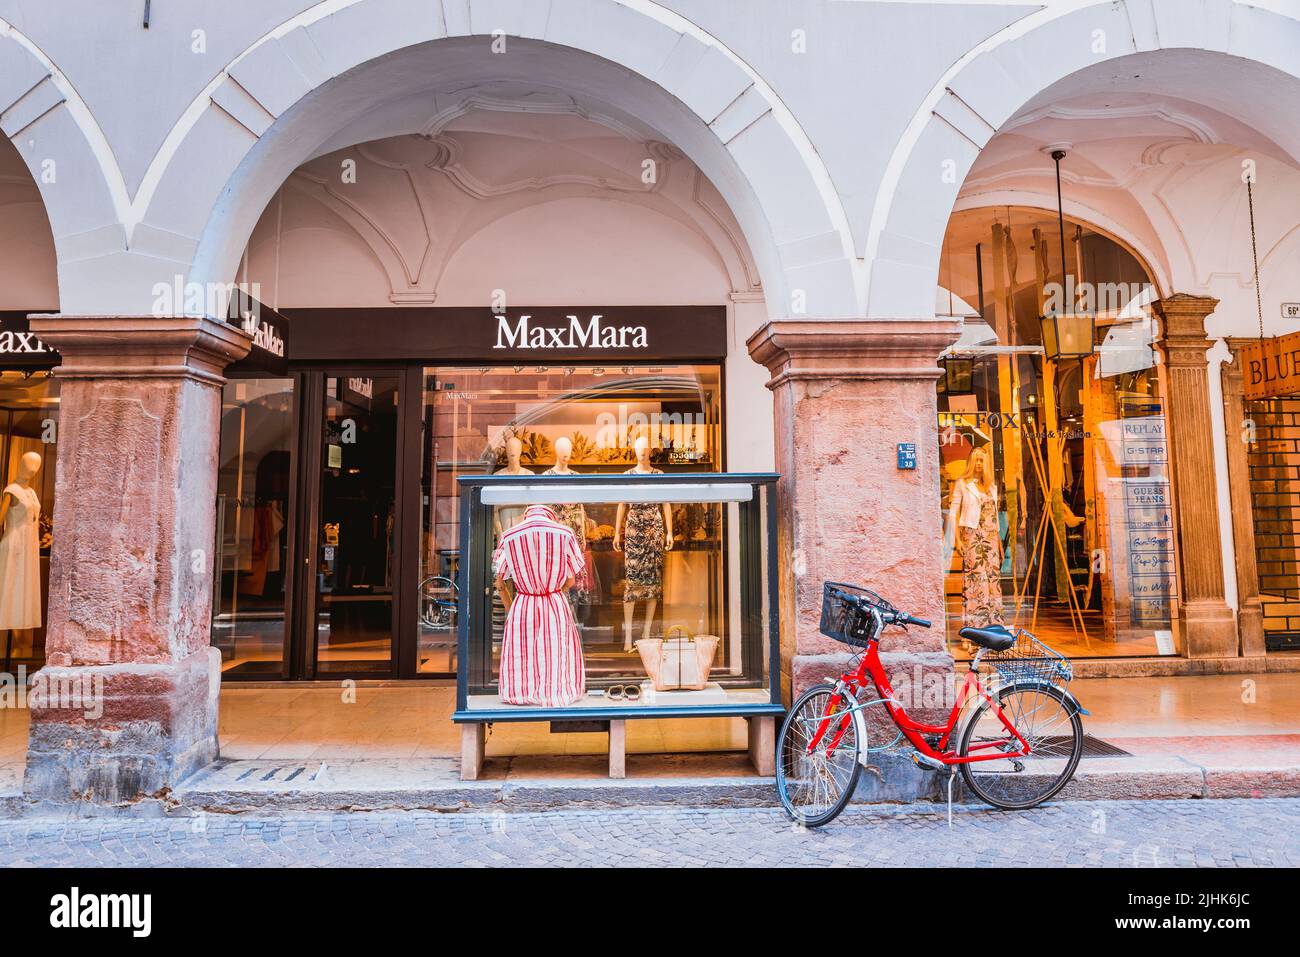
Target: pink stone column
x,y
1209,629
847,392
127,703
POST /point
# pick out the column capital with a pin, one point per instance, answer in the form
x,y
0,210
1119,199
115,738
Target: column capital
x,y
133,347
1232,369
851,348
1183,335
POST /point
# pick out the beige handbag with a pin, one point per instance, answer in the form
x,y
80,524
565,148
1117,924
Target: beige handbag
x,y
679,662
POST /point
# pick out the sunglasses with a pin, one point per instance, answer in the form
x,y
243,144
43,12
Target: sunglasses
x,y
623,693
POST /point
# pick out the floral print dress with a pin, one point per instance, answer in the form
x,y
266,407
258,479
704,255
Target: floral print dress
x,y
981,560
643,548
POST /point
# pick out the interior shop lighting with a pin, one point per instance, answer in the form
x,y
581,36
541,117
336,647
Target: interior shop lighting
x,y
694,493
1069,335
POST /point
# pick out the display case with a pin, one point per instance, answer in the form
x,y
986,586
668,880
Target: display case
x,y
617,596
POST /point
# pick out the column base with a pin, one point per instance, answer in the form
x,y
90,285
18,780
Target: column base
x,y
121,734
1209,630
1250,628
924,682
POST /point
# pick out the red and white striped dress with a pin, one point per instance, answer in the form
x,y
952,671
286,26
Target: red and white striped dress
x,y
541,656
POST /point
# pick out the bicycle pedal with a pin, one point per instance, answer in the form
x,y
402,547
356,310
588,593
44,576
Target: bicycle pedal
x,y
927,763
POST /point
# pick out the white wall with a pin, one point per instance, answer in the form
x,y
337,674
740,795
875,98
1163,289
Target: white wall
x,y
552,213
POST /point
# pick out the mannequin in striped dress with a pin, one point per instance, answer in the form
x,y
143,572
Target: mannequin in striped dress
x,y
541,655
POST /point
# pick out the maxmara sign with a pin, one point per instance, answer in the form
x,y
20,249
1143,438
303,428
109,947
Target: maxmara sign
x,y
19,346
518,335
586,333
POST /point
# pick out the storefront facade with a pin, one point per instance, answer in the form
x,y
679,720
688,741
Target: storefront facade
x,y
406,199
338,492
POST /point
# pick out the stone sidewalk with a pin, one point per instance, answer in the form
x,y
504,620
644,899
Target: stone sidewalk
x,y
1228,833
301,749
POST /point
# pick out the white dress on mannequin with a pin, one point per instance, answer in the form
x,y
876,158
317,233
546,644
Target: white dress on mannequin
x,y
20,560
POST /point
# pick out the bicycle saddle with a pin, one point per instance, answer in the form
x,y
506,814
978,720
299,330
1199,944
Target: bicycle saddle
x,y
994,637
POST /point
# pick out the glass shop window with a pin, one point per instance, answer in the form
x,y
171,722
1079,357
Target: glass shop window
x,y
29,421
566,420
252,562
1055,482
620,593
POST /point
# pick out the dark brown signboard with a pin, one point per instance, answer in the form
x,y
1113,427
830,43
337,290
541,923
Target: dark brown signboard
x,y
19,347
1271,367
270,332
523,334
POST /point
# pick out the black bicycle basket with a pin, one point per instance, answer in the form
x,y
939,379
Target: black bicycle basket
x,y
846,613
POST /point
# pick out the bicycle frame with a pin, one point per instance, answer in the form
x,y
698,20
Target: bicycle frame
x,y
871,667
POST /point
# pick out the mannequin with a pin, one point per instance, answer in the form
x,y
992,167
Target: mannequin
x,y
973,517
643,531
20,552
507,515
575,518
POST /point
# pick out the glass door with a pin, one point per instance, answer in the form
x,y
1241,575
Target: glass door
x,y
356,526
254,512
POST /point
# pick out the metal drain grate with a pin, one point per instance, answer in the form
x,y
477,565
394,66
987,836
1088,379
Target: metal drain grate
x,y
1092,747
273,774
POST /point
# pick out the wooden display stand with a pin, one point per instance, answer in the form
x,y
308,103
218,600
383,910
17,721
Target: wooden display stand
x,y
762,747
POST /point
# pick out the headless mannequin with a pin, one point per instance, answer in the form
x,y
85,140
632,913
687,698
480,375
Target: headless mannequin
x,y
642,448
514,449
575,518
28,466
563,452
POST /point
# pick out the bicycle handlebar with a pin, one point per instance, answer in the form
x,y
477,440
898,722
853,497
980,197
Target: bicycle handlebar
x,y
896,617
903,618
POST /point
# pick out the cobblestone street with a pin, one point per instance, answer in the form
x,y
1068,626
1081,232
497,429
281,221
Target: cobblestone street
x,y
1213,833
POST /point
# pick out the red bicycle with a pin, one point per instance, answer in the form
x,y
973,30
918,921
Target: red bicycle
x,y
1016,740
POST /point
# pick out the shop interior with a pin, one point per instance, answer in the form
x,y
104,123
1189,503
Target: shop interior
x,y
575,420
1076,541
29,415
372,616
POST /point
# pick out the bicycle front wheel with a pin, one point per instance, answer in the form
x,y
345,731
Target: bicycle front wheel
x,y
817,759
1050,724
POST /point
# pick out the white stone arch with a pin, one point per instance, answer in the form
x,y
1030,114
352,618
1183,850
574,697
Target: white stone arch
x,y
287,94
988,85
68,156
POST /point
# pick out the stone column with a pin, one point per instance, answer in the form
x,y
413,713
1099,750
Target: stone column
x,y
127,703
1250,612
847,392
1207,624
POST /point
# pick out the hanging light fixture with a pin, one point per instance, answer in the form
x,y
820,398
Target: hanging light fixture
x,y
1067,334
959,374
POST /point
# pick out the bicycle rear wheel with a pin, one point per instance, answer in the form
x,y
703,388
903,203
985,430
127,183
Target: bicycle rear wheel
x,y
1048,721
814,786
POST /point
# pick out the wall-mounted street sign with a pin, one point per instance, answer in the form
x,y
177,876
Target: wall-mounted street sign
x,y
19,346
1271,367
1291,310
907,455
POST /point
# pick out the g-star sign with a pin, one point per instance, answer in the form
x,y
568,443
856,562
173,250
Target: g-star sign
x,y
593,335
